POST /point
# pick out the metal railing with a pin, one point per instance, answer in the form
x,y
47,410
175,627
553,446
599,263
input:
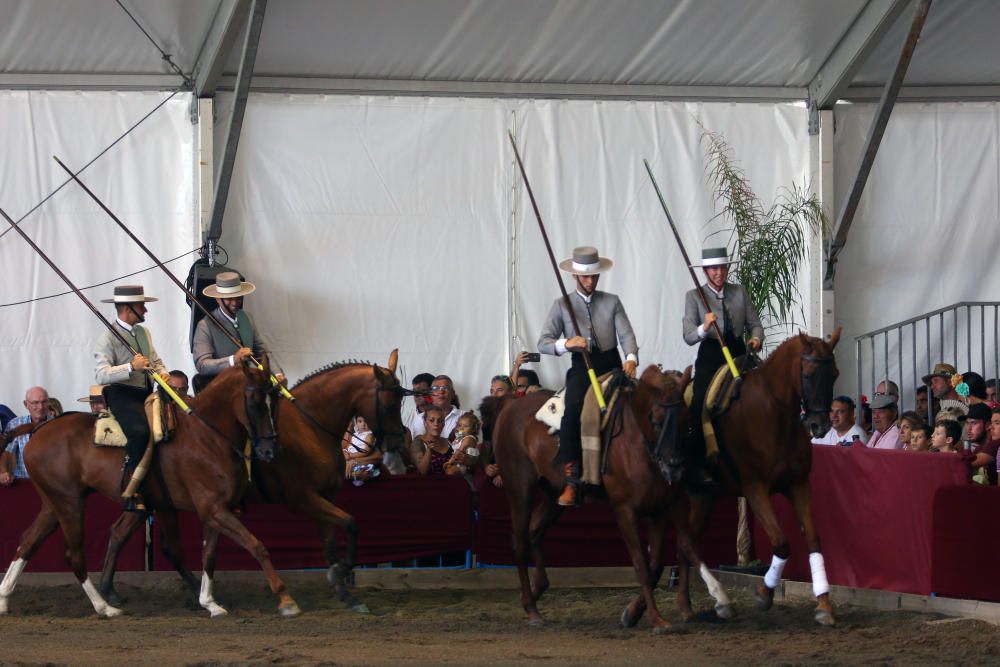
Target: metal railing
x,y
964,335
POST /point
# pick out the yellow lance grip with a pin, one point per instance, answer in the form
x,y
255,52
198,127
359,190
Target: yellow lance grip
x,y
729,360
170,392
597,389
274,381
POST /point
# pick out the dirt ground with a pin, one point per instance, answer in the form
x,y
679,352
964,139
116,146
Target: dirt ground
x,y
55,625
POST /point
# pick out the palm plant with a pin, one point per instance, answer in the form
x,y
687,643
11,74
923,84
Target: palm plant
x,y
770,242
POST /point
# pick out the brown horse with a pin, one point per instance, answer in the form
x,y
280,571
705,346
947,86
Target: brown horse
x,y
202,469
765,449
633,482
310,470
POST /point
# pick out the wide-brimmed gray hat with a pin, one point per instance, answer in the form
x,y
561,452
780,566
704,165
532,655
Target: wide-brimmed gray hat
x,y
228,286
129,294
586,262
714,257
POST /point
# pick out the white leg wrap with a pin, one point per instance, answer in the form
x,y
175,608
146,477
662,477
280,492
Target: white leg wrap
x,y
773,575
206,600
714,587
816,564
10,579
100,605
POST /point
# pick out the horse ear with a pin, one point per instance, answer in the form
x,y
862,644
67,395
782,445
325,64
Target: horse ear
x,y
835,336
805,340
393,358
686,378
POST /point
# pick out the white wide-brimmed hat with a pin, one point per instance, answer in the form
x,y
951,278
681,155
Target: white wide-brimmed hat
x,y
228,286
585,262
714,257
129,294
96,394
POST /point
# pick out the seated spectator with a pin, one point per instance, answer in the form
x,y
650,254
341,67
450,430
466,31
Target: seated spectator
x,y
465,442
884,413
948,414
55,407
412,409
920,438
921,401
908,421
866,415
976,386
940,381
991,392
501,385
947,436
527,382
361,457
434,452
984,449
887,388
178,381
6,414
444,397
36,401
95,399
843,430
198,383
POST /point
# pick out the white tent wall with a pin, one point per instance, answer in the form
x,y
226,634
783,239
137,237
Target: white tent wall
x,y
926,232
371,223
147,179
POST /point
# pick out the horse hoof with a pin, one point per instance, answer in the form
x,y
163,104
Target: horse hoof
x,y
361,608
763,600
823,617
215,611
3,606
662,629
331,577
725,611
289,609
114,599
627,620
111,612
536,622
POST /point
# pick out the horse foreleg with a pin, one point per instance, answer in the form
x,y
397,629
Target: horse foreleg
x,y
166,521
221,519
801,495
121,530
657,534
209,550
70,515
760,503
520,517
541,518
329,516
40,528
629,528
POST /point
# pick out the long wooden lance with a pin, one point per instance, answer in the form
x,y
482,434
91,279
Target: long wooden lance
x,y
687,262
555,267
211,318
153,375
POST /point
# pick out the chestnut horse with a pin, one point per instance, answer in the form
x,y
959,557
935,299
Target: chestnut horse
x,y
310,470
633,482
201,469
765,449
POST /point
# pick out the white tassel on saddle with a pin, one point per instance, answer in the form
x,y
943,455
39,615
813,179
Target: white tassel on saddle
x,y
773,575
818,567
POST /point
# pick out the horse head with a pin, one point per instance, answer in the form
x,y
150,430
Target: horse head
x,y
817,373
668,411
257,417
382,414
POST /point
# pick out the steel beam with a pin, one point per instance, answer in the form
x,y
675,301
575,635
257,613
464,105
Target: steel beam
x,y
874,139
851,52
245,74
230,19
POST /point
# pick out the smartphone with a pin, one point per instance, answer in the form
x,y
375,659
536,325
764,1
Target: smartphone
x,y
533,356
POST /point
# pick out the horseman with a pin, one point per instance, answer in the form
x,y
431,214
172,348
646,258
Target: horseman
x,y
732,310
128,386
603,325
213,350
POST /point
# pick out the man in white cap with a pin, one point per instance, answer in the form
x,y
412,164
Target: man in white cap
x,y
731,308
603,326
213,350
123,372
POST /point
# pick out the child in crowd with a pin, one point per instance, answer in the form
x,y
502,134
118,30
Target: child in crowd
x,y
465,441
908,421
947,436
920,438
361,457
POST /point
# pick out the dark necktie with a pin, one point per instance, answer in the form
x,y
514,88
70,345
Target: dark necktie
x,y
727,322
595,344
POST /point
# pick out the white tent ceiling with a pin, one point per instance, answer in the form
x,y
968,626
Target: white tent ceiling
x,y
767,48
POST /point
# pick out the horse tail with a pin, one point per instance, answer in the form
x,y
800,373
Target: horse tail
x,y
23,429
490,409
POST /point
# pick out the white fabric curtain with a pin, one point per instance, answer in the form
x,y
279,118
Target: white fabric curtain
x,y
372,223
925,235
147,179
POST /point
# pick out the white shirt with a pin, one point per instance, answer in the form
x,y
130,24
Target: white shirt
x,y
833,438
416,425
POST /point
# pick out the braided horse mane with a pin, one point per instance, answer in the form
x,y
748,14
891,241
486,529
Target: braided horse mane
x,y
323,370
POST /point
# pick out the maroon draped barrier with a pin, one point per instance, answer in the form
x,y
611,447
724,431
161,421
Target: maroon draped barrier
x,y
400,518
873,509
966,542
20,503
588,536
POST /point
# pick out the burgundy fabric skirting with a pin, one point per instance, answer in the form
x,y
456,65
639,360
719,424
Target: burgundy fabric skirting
x,y
20,503
966,542
874,510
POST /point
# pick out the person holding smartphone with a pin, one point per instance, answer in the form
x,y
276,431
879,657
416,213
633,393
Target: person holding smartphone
x,y
603,327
